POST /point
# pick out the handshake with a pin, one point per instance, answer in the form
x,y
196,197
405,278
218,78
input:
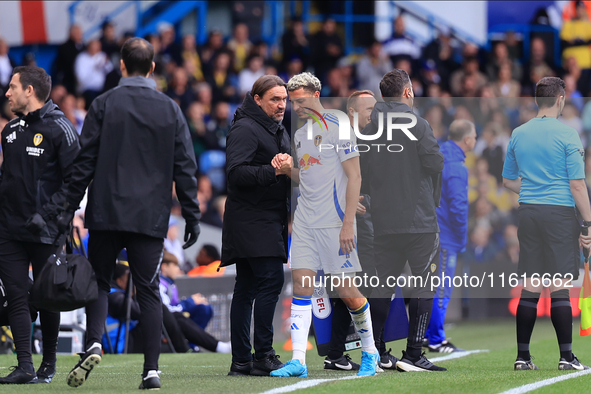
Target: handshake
x,y
282,163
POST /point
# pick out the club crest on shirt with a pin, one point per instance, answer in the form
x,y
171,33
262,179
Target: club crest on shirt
x,y
433,268
317,140
37,139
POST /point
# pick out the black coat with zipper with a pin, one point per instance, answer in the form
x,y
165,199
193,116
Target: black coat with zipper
x,y
135,142
255,219
404,185
39,149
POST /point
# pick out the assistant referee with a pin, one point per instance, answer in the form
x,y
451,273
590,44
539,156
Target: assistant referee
x,y
544,165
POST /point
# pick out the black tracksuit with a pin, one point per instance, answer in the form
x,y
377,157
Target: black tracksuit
x,y
134,144
403,188
39,149
255,226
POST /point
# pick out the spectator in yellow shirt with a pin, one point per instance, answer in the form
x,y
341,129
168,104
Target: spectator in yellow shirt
x,y
576,37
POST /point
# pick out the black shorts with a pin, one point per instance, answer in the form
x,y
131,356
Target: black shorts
x,y
548,240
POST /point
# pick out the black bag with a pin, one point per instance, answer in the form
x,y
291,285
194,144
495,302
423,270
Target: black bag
x,y
66,282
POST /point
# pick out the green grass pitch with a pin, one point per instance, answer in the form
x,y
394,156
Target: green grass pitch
x,y
490,372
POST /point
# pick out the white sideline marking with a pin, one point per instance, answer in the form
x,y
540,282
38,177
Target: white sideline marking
x,y
534,386
451,356
315,382
304,385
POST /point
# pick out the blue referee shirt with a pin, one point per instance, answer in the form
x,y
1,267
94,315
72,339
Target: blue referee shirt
x,y
547,154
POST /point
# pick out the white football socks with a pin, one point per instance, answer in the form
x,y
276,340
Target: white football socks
x,y
362,319
301,318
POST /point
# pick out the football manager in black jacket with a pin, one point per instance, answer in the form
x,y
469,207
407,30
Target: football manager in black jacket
x,y
255,222
403,201
135,142
39,146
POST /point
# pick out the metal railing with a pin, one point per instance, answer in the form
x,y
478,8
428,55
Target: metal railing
x,y
173,14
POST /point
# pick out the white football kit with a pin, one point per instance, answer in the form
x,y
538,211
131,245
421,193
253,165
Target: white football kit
x,y
318,218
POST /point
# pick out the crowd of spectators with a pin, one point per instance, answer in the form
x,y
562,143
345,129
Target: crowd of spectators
x,y
451,79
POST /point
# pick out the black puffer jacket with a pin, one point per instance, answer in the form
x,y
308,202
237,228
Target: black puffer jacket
x,y
39,149
402,185
255,219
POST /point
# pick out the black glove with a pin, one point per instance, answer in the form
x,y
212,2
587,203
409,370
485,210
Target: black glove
x,y
64,220
191,234
36,224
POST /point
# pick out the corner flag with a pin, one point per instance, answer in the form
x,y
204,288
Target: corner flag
x,y
585,303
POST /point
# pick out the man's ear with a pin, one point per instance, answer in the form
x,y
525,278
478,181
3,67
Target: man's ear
x,y
30,91
257,99
350,111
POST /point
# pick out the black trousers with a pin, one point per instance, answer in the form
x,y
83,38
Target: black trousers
x,y
341,320
391,253
259,279
144,254
15,257
182,329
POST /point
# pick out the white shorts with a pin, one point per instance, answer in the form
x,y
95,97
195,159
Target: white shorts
x,y
319,249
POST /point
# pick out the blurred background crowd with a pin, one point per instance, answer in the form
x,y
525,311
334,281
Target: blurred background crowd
x,y
452,78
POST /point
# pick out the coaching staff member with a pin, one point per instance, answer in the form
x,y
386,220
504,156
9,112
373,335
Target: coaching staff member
x,y
452,216
255,222
401,188
39,147
544,165
134,144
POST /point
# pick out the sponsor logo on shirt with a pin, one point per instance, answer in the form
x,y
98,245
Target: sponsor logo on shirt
x,y
308,161
33,151
11,137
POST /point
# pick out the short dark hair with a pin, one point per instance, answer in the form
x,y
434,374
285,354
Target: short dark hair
x,y
120,270
265,83
212,251
37,78
352,100
460,128
547,90
393,84
138,55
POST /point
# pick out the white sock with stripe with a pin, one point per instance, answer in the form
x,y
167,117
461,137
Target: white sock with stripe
x,y
362,319
301,318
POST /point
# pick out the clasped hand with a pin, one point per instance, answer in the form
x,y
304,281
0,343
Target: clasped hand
x,y
282,162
